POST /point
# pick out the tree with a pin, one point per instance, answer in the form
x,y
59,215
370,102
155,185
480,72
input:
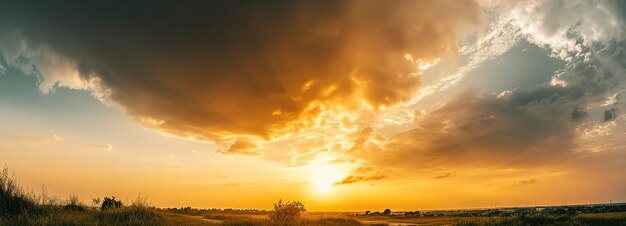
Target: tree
x,y
367,212
387,212
285,212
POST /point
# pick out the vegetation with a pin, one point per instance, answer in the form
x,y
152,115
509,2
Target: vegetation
x,y
543,219
74,204
20,208
109,203
17,207
301,222
13,200
214,211
286,212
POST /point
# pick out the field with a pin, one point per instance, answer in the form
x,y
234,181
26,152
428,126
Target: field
x,y
149,216
18,207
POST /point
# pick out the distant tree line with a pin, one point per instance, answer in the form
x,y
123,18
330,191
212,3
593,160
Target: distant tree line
x,y
200,211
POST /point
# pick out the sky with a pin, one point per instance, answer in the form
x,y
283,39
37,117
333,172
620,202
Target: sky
x,y
343,105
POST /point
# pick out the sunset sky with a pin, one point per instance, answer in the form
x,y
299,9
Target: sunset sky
x,y
343,105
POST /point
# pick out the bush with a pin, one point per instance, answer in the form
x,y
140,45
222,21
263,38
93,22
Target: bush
x,y
285,212
73,204
109,203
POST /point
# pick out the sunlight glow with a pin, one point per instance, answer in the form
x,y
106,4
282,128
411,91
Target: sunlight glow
x,y
324,175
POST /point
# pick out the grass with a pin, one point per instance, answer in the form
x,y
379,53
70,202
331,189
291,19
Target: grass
x,y
55,215
17,207
13,200
300,222
325,219
540,219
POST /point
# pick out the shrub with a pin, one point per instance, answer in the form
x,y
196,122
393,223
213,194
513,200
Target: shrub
x,y
140,201
109,203
285,212
73,204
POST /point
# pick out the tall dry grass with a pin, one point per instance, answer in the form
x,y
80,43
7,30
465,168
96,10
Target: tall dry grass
x,y
17,207
13,199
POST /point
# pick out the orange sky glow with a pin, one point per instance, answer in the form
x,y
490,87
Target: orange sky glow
x,y
342,105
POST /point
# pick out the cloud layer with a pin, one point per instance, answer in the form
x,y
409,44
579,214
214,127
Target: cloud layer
x,y
525,127
220,69
340,78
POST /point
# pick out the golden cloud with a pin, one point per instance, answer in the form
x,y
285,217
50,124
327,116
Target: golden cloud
x,y
216,70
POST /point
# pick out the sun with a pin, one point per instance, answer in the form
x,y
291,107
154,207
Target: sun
x,y
324,176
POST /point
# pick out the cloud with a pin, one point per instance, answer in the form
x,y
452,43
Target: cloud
x,y
473,130
52,69
564,26
241,146
610,114
519,183
219,69
93,145
354,179
447,175
320,77
60,139
528,181
525,127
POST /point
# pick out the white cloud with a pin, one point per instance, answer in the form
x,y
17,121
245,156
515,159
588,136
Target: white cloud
x,y
566,27
58,139
53,69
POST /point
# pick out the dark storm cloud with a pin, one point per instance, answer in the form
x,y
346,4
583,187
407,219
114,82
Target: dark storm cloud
x,y
221,68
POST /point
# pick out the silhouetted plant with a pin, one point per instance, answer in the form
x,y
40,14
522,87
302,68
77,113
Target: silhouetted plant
x,y
109,203
285,212
387,212
96,201
13,200
73,204
408,214
141,201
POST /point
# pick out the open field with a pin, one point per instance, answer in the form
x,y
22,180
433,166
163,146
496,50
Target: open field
x,y
18,207
580,219
148,216
349,219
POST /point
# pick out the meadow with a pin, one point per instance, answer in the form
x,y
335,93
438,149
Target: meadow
x,y
19,207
